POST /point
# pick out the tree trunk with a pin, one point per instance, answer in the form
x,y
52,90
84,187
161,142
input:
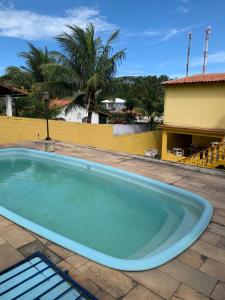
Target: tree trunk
x,y
89,116
152,123
16,110
91,104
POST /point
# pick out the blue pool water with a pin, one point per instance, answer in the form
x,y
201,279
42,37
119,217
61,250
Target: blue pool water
x,y
116,218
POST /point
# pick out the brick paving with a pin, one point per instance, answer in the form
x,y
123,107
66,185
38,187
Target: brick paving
x,y
198,273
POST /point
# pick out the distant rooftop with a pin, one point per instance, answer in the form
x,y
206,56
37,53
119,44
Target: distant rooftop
x,y
6,89
60,102
213,77
116,100
56,103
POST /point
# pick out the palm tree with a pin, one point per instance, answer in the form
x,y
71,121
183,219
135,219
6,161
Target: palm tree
x,y
32,72
18,77
35,58
28,77
84,69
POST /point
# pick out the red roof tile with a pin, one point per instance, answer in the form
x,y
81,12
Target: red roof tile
x,y
59,102
216,77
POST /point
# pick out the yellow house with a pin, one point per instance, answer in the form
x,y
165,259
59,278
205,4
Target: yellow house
x,y
194,119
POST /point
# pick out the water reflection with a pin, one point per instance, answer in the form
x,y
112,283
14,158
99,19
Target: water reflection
x,y
11,167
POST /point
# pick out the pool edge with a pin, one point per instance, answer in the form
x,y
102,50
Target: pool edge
x,y
99,257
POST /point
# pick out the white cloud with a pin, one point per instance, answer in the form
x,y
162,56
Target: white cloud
x,y
176,75
171,33
130,69
182,10
29,25
150,33
161,35
214,58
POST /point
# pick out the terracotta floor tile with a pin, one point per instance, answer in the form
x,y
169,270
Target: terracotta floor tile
x,y
210,238
79,277
31,248
186,293
192,258
218,219
209,251
16,236
139,292
41,239
214,268
4,222
62,252
219,291
221,243
102,295
220,212
113,282
8,256
77,261
2,241
158,282
191,277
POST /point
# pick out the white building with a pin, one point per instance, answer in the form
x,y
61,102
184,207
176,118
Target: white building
x,y
114,105
77,114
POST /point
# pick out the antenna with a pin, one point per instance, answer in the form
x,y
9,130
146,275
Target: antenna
x,y
188,52
205,54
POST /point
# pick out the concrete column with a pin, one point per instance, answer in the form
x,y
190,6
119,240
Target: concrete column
x,y
8,104
164,144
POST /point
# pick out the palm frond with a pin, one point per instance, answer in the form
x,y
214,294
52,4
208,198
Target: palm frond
x,y
55,88
80,100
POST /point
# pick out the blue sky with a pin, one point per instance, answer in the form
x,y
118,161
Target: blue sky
x,y
154,32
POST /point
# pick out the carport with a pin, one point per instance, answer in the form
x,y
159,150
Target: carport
x,y
9,93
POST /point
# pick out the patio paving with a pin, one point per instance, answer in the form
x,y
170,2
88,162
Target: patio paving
x,y
198,273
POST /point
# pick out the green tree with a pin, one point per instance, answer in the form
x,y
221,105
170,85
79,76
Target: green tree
x,y
18,77
143,92
28,77
85,68
31,73
132,103
33,107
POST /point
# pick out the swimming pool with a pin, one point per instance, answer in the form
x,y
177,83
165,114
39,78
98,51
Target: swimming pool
x,y
119,219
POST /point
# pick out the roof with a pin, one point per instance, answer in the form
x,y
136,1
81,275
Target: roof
x,y
219,131
64,102
6,89
201,78
59,102
116,100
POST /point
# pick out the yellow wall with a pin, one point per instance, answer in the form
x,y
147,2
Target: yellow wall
x,y
14,130
195,105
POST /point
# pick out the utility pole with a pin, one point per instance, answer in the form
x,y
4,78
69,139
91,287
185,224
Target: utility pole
x,y
206,47
188,52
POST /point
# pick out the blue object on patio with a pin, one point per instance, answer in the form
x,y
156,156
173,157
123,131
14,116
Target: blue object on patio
x,y
36,277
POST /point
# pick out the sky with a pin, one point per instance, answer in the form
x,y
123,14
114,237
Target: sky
x,y
154,32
